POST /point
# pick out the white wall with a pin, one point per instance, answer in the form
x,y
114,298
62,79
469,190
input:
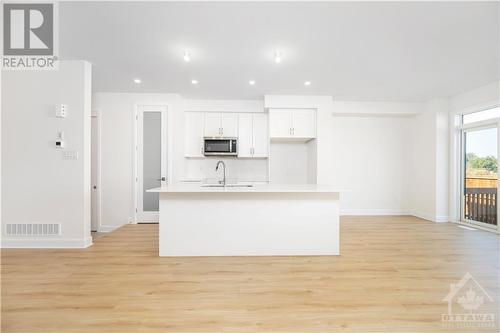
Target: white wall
x,y
289,163
428,166
38,185
370,159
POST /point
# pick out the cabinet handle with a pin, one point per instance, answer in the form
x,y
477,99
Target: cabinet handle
x,y
293,131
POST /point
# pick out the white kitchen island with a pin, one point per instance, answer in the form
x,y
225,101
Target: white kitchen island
x,y
248,221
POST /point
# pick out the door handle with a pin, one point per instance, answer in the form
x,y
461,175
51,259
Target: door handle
x,y
162,179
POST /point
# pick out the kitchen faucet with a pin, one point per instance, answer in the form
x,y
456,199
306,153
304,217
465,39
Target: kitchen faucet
x,y
223,181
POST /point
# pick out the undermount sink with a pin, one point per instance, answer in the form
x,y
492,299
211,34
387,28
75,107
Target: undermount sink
x,y
227,185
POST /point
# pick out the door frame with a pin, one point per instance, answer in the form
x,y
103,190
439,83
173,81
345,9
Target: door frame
x,y
96,114
166,137
462,129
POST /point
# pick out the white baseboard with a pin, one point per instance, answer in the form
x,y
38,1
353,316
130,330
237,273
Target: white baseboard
x,y
429,217
375,212
365,212
45,243
107,228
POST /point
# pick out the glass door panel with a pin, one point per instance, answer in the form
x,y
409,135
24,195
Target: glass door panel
x,y
480,174
151,160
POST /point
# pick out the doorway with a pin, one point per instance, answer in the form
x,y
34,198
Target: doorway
x,y
95,219
151,160
480,175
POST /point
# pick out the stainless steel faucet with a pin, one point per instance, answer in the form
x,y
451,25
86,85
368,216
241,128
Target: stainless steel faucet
x,y
223,181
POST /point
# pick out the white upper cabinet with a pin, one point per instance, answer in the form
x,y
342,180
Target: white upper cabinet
x,y
304,123
213,126
245,135
253,140
292,123
260,135
280,122
193,134
219,124
229,125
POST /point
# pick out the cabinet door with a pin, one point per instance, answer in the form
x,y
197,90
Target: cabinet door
x,y
280,124
193,140
304,123
230,125
245,135
260,137
213,124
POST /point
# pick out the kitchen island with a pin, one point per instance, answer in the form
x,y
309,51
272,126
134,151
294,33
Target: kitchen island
x,y
248,221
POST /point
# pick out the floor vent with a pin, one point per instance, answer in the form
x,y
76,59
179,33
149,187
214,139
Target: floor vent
x,y
33,229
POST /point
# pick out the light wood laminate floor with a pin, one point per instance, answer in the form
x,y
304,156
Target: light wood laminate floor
x,y
391,276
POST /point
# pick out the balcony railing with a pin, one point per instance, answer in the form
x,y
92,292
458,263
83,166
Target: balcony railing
x,y
481,205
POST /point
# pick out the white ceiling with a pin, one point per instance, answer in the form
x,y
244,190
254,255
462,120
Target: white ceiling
x,y
351,50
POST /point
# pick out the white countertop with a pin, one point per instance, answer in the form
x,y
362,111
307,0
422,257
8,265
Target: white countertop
x,y
256,188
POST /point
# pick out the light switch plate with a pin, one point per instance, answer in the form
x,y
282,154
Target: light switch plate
x,y
70,155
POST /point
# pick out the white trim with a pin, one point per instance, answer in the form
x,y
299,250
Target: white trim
x,y
96,113
108,228
393,212
478,108
430,217
46,243
478,125
368,212
476,226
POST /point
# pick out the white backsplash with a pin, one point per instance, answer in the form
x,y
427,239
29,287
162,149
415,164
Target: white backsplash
x,y
236,169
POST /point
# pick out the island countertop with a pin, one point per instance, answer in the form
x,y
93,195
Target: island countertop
x,y
256,188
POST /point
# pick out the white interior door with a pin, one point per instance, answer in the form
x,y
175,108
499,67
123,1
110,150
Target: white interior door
x,y
151,160
95,172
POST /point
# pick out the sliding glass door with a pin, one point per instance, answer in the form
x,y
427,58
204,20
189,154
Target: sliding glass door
x,y
480,175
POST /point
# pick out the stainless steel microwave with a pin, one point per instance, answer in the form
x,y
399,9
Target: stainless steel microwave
x,y
220,146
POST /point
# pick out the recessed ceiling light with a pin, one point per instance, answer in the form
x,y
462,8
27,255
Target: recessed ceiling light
x,y
194,81
251,82
138,81
278,57
187,56
307,83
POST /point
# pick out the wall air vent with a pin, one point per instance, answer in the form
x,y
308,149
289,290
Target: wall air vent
x,y
33,229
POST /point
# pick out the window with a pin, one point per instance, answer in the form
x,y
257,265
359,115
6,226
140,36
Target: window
x,y
481,115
